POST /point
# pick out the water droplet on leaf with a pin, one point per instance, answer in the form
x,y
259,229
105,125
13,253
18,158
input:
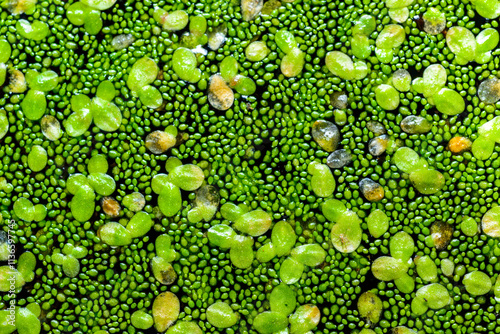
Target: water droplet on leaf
x,y
371,190
326,135
339,159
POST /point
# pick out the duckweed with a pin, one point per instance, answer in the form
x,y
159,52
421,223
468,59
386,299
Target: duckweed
x,y
280,167
221,315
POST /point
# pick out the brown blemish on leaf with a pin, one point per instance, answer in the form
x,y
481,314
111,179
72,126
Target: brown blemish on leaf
x,y
111,207
158,141
459,145
441,234
17,82
220,96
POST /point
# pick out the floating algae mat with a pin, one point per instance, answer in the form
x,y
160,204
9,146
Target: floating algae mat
x,y
253,166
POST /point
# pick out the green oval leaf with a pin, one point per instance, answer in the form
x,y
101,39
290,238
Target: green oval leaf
x,y
378,223
462,43
141,320
291,270
114,234
143,72
24,209
99,4
283,300
401,246
37,158
187,177
283,238
256,51
346,234
241,252
221,235
183,327
310,255
221,315
392,36
426,268
166,308
370,307
270,322
477,283
27,322
34,105
340,64
170,200
435,295
106,90
150,96
83,204
386,268
427,181
70,266
140,224
305,318
266,253
449,102
176,20
387,97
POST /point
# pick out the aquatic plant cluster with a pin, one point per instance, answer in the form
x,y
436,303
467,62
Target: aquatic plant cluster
x,y
242,166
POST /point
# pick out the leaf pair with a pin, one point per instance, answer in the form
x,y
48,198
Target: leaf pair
x,y
88,14
168,187
283,301
142,74
34,103
68,259
100,110
254,223
294,59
